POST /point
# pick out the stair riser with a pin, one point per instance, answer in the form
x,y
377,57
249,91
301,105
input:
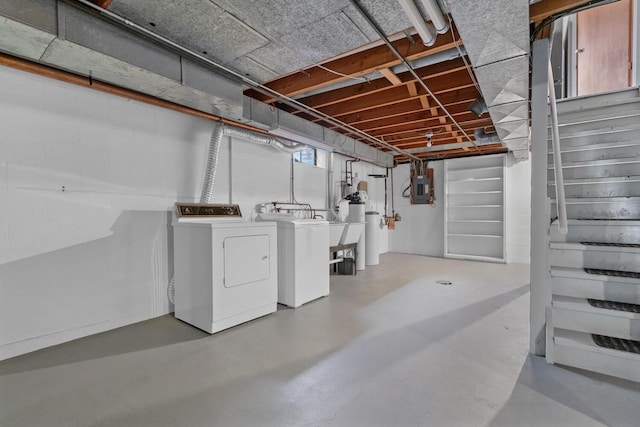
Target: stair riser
x,y
601,324
603,153
619,261
595,138
614,210
605,111
601,289
596,125
597,171
601,100
597,362
601,189
597,233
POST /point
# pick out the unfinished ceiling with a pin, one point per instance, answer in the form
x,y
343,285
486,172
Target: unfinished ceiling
x,y
325,54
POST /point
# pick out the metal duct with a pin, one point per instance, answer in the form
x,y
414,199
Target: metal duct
x,y
263,139
214,149
484,138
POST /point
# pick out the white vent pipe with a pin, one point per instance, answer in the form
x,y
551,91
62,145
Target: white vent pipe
x,y
214,149
435,14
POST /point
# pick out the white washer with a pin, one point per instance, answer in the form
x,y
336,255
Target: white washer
x,y
226,270
303,258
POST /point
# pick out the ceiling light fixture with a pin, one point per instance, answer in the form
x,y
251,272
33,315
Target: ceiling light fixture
x,y
425,30
429,134
435,14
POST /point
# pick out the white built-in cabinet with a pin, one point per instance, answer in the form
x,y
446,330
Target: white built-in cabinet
x,y
474,208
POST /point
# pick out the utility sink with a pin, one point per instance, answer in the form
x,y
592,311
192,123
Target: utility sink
x,y
342,233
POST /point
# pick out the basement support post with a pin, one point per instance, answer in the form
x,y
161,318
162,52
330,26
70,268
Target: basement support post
x,y
540,274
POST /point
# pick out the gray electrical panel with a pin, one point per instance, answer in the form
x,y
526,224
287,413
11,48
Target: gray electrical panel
x,y
420,190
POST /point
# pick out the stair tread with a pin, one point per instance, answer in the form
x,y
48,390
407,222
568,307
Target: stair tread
x,y
591,200
598,116
574,104
594,247
597,146
593,163
579,273
604,180
603,222
584,341
582,305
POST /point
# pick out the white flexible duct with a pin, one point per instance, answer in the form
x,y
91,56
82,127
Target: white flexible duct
x,y
214,149
212,163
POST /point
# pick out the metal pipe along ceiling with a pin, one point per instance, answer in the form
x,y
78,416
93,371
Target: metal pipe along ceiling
x,y
377,29
244,79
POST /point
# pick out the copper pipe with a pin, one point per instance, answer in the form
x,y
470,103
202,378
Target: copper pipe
x,y
65,76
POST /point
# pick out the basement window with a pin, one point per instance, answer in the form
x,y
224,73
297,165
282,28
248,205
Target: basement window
x,y
308,156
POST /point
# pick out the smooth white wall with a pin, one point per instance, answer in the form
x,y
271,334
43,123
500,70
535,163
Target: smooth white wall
x,y
518,210
88,182
421,230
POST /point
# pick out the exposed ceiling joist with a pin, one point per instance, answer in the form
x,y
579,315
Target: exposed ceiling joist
x,y
391,76
539,11
359,64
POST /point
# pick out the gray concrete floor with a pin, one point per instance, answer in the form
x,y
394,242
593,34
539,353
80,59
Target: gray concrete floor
x,y
389,347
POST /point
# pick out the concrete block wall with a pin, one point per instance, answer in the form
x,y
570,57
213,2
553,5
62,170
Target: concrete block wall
x,y
88,182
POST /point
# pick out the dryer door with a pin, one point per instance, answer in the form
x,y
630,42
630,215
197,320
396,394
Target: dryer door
x,y
246,260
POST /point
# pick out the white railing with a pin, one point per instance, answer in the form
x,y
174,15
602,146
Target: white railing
x,y
561,203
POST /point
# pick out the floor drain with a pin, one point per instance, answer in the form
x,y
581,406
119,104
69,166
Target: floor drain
x,y
443,282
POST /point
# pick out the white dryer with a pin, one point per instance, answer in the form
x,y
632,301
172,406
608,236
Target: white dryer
x,y
226,270
303,258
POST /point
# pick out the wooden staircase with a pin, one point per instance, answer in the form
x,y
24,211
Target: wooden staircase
x,y
593,322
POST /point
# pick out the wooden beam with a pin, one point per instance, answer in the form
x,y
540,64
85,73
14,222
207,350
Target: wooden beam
x,y
458,97
432,123
356,65
424,100
412,89
102,3
459,79
390,75
539,11
429,73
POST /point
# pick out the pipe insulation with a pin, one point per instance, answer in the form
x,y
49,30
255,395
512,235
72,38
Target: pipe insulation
x,y
215,142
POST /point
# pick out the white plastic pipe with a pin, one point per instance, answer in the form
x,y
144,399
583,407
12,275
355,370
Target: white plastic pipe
x,y
412,12
438,20
561,203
